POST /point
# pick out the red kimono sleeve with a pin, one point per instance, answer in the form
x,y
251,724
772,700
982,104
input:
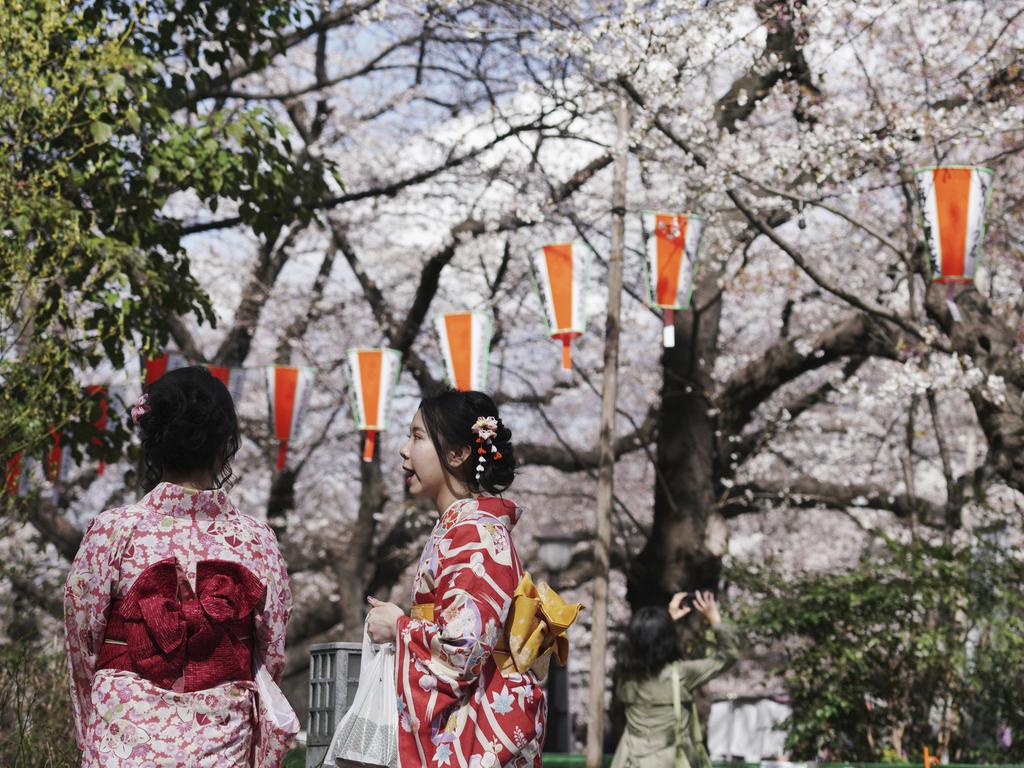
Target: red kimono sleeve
x,y
439,662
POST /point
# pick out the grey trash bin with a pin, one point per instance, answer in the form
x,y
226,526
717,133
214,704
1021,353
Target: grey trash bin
x,y
333,680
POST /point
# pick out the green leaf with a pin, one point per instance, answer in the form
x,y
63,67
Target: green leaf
x,y
101,132
114,83
236,130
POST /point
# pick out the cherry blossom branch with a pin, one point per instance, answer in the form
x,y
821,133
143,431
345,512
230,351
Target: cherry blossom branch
x,y
783,362
403,334
817,276
859,224
569,459
764,228
791,410
382,311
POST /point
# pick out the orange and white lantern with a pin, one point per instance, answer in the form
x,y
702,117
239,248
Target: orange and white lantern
x,y
953,200
465,340
673,245
232,378
155,367
562,272
288,391
373,374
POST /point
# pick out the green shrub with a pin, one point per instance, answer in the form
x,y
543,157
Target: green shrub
x,y
918,646
36,727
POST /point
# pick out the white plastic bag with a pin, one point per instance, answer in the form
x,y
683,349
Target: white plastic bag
x,y
368,733
276,718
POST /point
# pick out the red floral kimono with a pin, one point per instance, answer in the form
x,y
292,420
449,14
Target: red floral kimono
x,y
456,708
175,611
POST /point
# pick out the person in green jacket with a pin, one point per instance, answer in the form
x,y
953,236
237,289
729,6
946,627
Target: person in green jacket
x,y
655,684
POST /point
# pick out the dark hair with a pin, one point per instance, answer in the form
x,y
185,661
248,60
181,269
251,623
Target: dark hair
x,y
190,425
449,419
649,644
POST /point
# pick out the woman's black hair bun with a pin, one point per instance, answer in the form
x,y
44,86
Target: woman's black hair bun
x,y
449,418
189,426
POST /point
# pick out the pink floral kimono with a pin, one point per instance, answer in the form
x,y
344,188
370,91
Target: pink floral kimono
x,y
175,611
457,709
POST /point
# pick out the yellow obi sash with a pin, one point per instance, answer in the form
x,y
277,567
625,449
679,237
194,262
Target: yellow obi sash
x,y
423,612
535,629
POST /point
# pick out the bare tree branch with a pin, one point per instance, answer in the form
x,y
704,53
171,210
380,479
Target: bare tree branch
x,y
274,254
340,17
185,340
811,493
387,189
569,460
54,527
372,65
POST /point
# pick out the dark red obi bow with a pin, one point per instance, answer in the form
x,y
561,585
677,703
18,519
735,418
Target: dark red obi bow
x,y
163,631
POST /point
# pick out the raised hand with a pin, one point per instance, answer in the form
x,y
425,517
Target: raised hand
x,y
705,604
677,608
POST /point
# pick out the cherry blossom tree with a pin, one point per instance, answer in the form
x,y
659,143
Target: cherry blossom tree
x,y
819,368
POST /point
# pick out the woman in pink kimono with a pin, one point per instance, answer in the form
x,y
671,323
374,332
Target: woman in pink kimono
x,y
459,704
175,606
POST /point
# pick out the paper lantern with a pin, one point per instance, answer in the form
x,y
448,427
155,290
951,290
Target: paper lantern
x,y
58,458
98,394
232,378
673,244
13,480
373,374
156,367
465,340
288,391
953,201
562,272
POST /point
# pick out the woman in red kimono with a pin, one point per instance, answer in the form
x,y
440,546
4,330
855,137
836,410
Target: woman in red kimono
x,y
459,706
175,606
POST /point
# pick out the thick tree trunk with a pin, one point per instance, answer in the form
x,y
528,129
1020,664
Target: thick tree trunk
x,y
350,569
281,501
688,537
994,347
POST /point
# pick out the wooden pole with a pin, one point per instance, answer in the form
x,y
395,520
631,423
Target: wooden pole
x,y
606,467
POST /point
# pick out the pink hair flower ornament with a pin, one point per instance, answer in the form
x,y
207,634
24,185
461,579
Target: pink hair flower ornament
x,y
140,409
485,428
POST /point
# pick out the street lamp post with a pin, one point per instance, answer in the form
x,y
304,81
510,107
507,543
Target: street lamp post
x,y
555,552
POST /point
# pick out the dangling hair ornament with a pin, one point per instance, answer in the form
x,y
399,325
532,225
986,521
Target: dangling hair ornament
x,y
486,429
140,409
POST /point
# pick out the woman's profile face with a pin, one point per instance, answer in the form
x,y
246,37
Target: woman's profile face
x,y
424,475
